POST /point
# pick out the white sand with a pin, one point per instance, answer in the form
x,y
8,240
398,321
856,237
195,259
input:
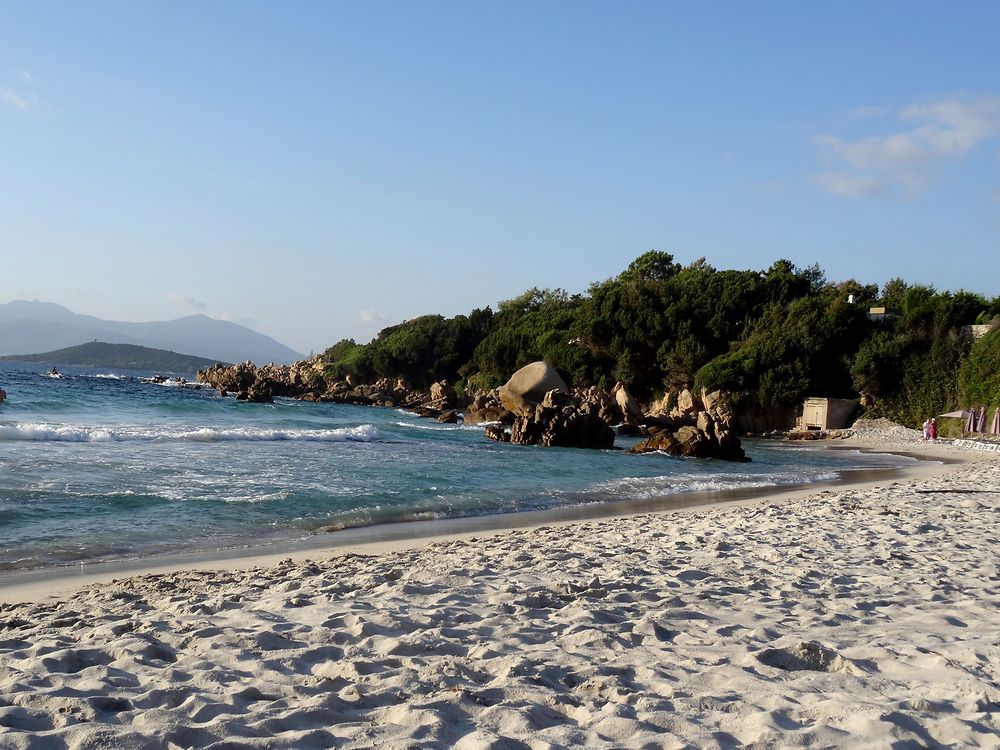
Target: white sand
x,y
863,617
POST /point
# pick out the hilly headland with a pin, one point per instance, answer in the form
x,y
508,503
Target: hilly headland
x,y
670,335
128,356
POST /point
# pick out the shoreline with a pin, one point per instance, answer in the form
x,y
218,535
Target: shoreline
x,y
854,616
38,584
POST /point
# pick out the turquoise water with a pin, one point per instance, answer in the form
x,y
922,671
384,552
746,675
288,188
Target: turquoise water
x,y
100,465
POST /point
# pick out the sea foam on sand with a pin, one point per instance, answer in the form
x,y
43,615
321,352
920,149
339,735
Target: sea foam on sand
x,y
852,618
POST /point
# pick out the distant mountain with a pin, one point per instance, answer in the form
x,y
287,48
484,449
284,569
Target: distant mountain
x,y
44,326
130,356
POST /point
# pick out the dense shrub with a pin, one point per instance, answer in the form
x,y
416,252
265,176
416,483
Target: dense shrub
x,y
771,337
979,377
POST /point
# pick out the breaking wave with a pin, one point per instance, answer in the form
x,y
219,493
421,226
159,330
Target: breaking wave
x,y
364,433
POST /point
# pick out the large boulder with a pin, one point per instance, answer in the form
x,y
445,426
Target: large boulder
x,y
528,386
687,405
631,412
256,394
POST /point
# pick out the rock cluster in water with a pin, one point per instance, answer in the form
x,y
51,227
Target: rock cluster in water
x,y
535,407
306,380
699,427
561,419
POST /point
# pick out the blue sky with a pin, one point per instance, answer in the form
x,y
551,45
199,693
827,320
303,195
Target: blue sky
x,y
318,170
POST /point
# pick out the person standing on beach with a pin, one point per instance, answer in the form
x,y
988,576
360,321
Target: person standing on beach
x,y
933,429
927,429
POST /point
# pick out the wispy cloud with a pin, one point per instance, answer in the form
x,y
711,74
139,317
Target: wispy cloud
x,y
925,135
184,301
867,112
372,318
843,183
10,96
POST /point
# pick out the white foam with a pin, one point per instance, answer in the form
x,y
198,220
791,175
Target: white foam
x,y
443,426
433,427
58,433
364,433
649,487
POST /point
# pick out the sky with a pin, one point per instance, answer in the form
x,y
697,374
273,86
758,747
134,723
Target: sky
x,y
319,170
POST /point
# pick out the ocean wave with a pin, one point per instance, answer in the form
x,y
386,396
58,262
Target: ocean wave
x,y
106,376
432,426
442,426
55,433
364,433
175,383
641,488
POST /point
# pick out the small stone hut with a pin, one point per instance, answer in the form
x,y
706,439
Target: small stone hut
x,y
826,413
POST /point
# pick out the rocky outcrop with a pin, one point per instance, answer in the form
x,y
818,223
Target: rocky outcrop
x,y
544,412
696,426
487,408
560,420
593,399
246,379
444,393
705,440
685,424
256,394
686,406
662,407
308,381
528,386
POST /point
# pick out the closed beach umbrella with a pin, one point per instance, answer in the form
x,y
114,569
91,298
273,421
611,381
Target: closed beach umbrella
x,y
995,429
970,421
981,422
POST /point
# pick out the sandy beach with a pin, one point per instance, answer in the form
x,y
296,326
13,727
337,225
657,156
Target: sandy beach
x,y
854,617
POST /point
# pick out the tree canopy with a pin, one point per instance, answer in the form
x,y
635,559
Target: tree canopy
x,y
770,337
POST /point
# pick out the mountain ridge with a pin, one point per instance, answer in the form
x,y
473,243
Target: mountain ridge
x,y
32,326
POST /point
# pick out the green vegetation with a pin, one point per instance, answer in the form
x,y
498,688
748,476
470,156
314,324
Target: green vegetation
x,y
979,376
420,351
769,337
127,356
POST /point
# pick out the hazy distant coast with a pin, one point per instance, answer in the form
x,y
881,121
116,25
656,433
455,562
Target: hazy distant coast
x,y
45,326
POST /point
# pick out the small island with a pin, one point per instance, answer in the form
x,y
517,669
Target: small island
x,y
127,356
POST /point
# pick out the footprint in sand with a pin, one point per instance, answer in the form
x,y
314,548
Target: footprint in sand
x,y
807,656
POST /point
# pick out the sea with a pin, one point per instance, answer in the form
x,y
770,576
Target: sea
x,y
106,465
